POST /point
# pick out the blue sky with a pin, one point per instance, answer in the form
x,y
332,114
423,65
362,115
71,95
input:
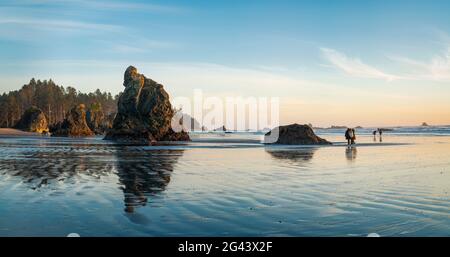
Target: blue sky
x,y
386,61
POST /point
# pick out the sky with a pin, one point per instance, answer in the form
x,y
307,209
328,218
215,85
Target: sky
x,y
368,63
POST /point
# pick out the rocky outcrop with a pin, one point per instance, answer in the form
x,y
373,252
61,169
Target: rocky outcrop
x,y
294,134
33,120
221,129
74,125
193,125
96,120
144,112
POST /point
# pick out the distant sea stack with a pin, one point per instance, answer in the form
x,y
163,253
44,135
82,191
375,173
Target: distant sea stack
x,y
33,120
74,125
294,134
97,121
144,112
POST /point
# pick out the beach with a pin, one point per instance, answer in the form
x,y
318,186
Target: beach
x,y
222,185
16,132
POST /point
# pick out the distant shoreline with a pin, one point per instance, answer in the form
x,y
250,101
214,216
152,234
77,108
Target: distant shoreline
x,y
16,132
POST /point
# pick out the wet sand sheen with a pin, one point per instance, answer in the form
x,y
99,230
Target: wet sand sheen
x,y
54,187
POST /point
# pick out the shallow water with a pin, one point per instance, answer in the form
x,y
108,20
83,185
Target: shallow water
x,y
225,185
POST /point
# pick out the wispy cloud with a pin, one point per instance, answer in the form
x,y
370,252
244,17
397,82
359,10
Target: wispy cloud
x,y
100,5
354,66
58,24
437,68
139,45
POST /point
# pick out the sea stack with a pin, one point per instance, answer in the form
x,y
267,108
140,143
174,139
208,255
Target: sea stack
x,y
294,134
33,120
95,119
74,125
144,114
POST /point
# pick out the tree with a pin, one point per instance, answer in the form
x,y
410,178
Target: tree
x,y
52,99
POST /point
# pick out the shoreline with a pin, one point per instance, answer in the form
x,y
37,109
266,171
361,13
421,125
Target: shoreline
x,y
16,132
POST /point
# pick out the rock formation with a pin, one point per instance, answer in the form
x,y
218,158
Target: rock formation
x,y
33,120
96,120
74,125
194,124
221,129
294,134
144,112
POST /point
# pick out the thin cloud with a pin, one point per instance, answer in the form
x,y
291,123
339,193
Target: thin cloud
x,y
437,68
58,24
354,66
99,5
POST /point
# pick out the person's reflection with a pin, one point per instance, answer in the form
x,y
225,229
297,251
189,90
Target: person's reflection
x,y
294,155
144,173
350,153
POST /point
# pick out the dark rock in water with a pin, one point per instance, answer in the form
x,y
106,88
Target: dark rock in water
x,y
294,134
33,120
144,111
338,127
97,121
175,136
424,124
221,129
74,125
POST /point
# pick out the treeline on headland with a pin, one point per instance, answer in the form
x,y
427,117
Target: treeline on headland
x,y
54,100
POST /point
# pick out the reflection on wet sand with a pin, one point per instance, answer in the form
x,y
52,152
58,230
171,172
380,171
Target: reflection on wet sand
x,y
46,167
350,153
293,155
141,173
144,174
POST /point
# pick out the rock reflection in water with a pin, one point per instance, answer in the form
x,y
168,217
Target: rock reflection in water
x,y
141,173
144,174
293,155
45,166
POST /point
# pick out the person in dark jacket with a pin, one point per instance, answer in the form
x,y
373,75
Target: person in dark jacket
x,y
348,136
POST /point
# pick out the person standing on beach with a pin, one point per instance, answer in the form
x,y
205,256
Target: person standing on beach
x,y
353,134
374,133
380,131
349,135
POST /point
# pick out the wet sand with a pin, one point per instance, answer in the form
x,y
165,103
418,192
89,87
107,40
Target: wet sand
x,y
56,186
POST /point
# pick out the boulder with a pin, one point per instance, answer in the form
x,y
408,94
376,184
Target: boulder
x,y
96,120
221,129
33,120
294,134
144,112
74,125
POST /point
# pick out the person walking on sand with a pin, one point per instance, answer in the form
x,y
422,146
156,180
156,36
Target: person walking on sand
x,y
348,136
353,134
374,133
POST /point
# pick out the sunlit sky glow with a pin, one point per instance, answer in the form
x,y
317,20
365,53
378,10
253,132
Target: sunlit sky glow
x,y
368,63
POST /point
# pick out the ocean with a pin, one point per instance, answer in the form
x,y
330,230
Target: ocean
x,y
228,185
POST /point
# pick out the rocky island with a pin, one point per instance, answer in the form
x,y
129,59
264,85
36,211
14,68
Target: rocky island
x,y
33,120
294,134
74,125
144,113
